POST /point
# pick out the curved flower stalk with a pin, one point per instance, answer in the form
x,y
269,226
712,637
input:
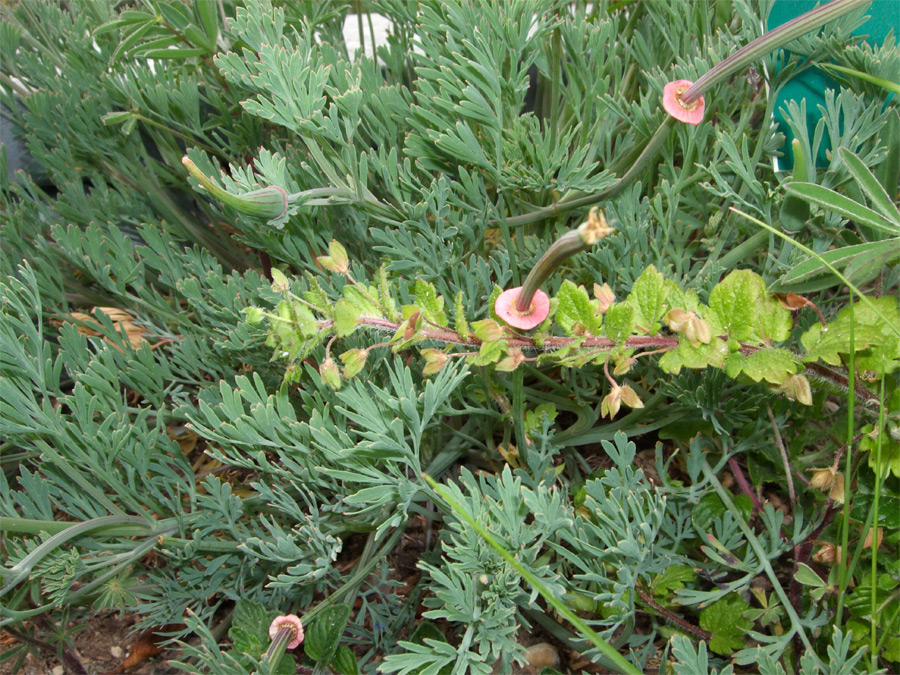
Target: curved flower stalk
x,y
683,99
527,306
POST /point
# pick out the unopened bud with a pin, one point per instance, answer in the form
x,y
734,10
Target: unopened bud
x,y
605,296
330,373
270,202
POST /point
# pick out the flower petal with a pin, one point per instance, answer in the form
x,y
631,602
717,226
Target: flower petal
x,y
505,307
689,113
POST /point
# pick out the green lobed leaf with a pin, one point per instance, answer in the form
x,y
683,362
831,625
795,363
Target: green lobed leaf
x,y
619,320
648,296
771,365
249,630
430,303
877,347
576,313
890,452
344,661
346,317
734,301
672,579
724,619
688,356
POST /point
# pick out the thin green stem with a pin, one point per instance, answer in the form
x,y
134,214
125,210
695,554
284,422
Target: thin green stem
x,y
556,58
873,593
768,42
518,414
359,575
844,562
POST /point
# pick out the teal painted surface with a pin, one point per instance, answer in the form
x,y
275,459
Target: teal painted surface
x,y
884,15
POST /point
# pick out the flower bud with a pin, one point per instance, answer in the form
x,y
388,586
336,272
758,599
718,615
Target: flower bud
x,y
354,360
336,262
435,360
605,296
512,361
330,373
270,202
831,480
796,388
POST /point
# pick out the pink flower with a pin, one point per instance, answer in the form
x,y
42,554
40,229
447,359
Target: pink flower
x,y
692,113
288,622
505,307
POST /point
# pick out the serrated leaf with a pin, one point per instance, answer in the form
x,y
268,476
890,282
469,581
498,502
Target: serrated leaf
x,y
648,296
890,452
619,322
724,619
771,365
672,579
304,320
316,295
249,630
344,661
430,303
323,635
575,313
734,301
685,355
876,346
489,353
363,299
774,321
346,317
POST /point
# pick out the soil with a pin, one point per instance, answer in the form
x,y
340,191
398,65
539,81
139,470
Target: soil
x,y
102,647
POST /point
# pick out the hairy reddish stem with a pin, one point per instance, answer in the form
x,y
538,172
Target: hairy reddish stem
x,y
660,343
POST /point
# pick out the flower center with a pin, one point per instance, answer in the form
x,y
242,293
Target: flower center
x,y
679,92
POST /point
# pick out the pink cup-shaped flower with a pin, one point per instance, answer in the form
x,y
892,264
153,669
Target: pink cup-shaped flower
x,y
289,621
505,306
691,113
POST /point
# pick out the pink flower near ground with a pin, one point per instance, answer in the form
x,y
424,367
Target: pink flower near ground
x,y
505,307
691,113
291,621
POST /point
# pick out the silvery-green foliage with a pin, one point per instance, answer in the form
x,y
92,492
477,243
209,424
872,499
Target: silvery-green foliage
x,y
617,533
473,587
